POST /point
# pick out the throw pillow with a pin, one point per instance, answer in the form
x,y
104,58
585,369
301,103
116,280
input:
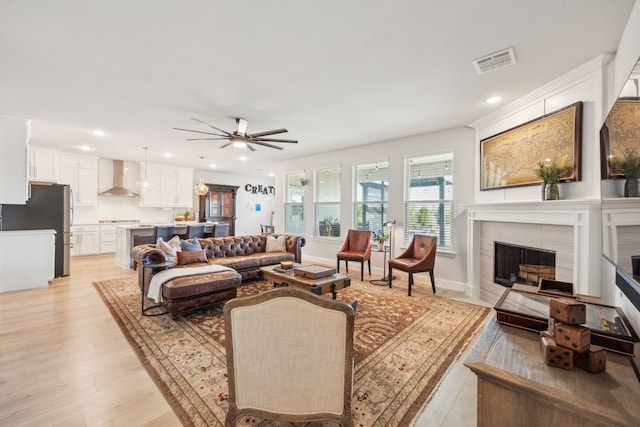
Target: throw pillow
x,y
191,246
169,248
276,244
190,257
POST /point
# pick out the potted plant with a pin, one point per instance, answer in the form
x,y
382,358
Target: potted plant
x,y
630,168
380,239
550,172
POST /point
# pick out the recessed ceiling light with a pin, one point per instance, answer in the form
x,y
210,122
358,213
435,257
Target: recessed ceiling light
x,y
243,158
493,100
84,148
167,155
271,174
98,132
212,165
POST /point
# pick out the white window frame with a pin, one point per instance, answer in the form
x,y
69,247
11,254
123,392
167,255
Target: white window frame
x,y
290,205
440,205
323,203
377,173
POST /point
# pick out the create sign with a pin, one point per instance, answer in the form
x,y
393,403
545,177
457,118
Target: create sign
x,y
260,189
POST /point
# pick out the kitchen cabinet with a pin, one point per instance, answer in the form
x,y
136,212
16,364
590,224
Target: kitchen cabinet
x,y
28,259
107,239
172,186
150,197
176,186
81,173
14,143
85,240
43,164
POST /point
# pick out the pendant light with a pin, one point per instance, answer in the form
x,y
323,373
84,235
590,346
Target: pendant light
x,y
201,188
146,184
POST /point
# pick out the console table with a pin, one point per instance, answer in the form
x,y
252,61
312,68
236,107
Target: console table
x,y
516,387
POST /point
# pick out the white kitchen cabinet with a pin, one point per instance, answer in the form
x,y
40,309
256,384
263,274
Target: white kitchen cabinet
x,y
177,186
43,164
85,240
27,259
107,238
151,197
81,173
14,144
172,186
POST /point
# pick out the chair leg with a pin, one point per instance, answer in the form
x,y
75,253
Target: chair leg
x,y
410,282
338,265
362,271
390,276
346,266
433,282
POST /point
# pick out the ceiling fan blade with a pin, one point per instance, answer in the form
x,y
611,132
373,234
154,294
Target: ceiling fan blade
x,y
268,132
291,141
242,126
199,131
225,145
250,147
210,125
206,139
265,144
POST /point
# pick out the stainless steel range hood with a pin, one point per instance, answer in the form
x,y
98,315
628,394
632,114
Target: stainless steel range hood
x,y
118,188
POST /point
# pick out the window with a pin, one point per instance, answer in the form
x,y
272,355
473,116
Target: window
x,y
327,202
428,203
371,195
294,203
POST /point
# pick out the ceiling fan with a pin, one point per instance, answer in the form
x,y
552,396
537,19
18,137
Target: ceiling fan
x,y
240,138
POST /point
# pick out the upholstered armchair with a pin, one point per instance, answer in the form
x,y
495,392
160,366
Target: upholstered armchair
x,y
289,357
356,247
419,257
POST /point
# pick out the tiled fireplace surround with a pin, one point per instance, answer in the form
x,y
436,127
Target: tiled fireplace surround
x,y
571,228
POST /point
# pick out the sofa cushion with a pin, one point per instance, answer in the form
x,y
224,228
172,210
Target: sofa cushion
x,y
201,284
238,263
170,247
191,257
271,258
276,244
194,245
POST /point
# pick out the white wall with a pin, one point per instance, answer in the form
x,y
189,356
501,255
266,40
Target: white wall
x,y
450,268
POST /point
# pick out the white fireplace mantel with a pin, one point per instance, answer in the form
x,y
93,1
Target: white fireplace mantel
x,y
582,215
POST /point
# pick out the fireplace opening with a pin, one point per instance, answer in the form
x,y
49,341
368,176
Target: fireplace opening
x,y
522,264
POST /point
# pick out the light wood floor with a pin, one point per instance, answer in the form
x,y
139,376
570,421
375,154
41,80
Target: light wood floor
x,y
65,362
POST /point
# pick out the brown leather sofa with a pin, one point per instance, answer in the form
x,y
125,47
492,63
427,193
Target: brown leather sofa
x,y
244,254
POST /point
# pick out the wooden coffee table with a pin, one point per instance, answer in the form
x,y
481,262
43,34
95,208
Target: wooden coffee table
x,y
329,284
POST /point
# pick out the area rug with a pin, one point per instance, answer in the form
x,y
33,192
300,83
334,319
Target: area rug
x,y
403,348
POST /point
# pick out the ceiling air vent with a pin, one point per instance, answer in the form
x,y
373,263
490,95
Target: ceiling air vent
x,y
494,61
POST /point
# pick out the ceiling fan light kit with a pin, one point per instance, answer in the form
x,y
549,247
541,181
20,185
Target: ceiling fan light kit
x,y
240,138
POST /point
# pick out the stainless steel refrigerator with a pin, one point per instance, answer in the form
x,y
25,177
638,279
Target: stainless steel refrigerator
x,y
49,207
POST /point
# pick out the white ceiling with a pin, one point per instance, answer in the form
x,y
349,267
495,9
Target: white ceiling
x,y
335,73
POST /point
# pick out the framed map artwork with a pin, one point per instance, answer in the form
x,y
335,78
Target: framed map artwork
x,y
509,158
620,132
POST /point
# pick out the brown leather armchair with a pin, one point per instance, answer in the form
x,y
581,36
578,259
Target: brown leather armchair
x,y
357,247
419,257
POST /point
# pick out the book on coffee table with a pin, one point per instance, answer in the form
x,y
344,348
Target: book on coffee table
x,y
314,271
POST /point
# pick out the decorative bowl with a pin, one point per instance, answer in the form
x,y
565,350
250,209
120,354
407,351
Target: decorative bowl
x,y
286,264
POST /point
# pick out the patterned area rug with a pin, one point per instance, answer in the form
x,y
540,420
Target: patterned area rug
x,y
403,347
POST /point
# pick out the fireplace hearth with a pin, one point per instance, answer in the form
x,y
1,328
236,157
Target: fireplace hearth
x,y
522,264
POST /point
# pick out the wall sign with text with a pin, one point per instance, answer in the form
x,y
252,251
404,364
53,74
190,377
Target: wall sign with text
x,y
260,189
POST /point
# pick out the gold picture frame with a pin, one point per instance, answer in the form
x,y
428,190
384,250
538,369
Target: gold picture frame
x,y
620,132
509,158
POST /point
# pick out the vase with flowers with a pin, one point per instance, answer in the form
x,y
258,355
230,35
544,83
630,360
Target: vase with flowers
x,y
550,172
380,239
629,166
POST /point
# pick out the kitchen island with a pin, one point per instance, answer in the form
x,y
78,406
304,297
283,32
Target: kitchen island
x,y
126,232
